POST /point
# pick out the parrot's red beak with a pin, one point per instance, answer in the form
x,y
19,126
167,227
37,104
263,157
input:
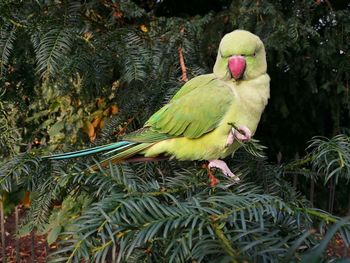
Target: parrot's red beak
x,y
237,66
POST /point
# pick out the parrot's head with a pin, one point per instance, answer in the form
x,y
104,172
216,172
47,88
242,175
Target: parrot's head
x,y
241,56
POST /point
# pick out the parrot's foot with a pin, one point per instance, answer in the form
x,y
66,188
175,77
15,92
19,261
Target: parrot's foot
x,y
212,179
242,133
224,169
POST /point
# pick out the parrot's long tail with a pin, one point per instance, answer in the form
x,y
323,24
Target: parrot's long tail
x,y
114,152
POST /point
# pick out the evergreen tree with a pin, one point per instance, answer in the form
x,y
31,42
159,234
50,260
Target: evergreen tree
x,y
76,74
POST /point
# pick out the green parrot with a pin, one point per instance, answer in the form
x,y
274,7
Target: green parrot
x,y
196,124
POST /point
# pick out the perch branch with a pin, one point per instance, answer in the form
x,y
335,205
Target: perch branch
x,y
182,65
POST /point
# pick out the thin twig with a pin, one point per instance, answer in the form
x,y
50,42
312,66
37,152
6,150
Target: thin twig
x,y
123,129
182,65
225,242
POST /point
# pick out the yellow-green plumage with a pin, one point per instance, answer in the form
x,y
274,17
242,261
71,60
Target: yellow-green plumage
x,y
248,102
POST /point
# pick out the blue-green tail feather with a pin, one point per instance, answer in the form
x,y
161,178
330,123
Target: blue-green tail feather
x,y
113,147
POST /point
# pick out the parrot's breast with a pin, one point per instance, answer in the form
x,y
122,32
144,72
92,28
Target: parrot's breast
x,y
251,99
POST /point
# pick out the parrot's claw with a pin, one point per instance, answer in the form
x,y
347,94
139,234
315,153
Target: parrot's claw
x,y
242,133
224,169
230,137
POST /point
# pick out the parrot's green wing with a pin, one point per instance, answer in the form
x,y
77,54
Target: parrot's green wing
x,y
190,113
146,134
194,83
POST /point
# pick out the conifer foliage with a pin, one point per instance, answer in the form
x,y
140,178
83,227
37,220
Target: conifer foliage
x,y
75,74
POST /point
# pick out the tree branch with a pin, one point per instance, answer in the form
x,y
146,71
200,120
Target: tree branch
x,y
182,65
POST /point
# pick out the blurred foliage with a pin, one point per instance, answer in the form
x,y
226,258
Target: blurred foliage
x,y
79,73
10,137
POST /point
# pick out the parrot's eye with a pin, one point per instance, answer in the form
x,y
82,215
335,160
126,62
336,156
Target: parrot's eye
x,y
254,55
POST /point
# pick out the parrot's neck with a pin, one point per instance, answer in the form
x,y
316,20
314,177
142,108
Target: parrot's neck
x,y
254,92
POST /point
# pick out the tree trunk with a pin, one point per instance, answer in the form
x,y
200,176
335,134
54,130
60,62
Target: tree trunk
x,y
18,257
349,203
32,246
47,248
295,181
295,177
331,195
312,191
2,219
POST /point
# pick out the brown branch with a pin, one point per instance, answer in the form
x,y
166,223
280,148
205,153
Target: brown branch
x,y
135,159
182,65
329,5
123,129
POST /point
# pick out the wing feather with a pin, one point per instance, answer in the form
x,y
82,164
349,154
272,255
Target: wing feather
x,y
195,114
196,109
